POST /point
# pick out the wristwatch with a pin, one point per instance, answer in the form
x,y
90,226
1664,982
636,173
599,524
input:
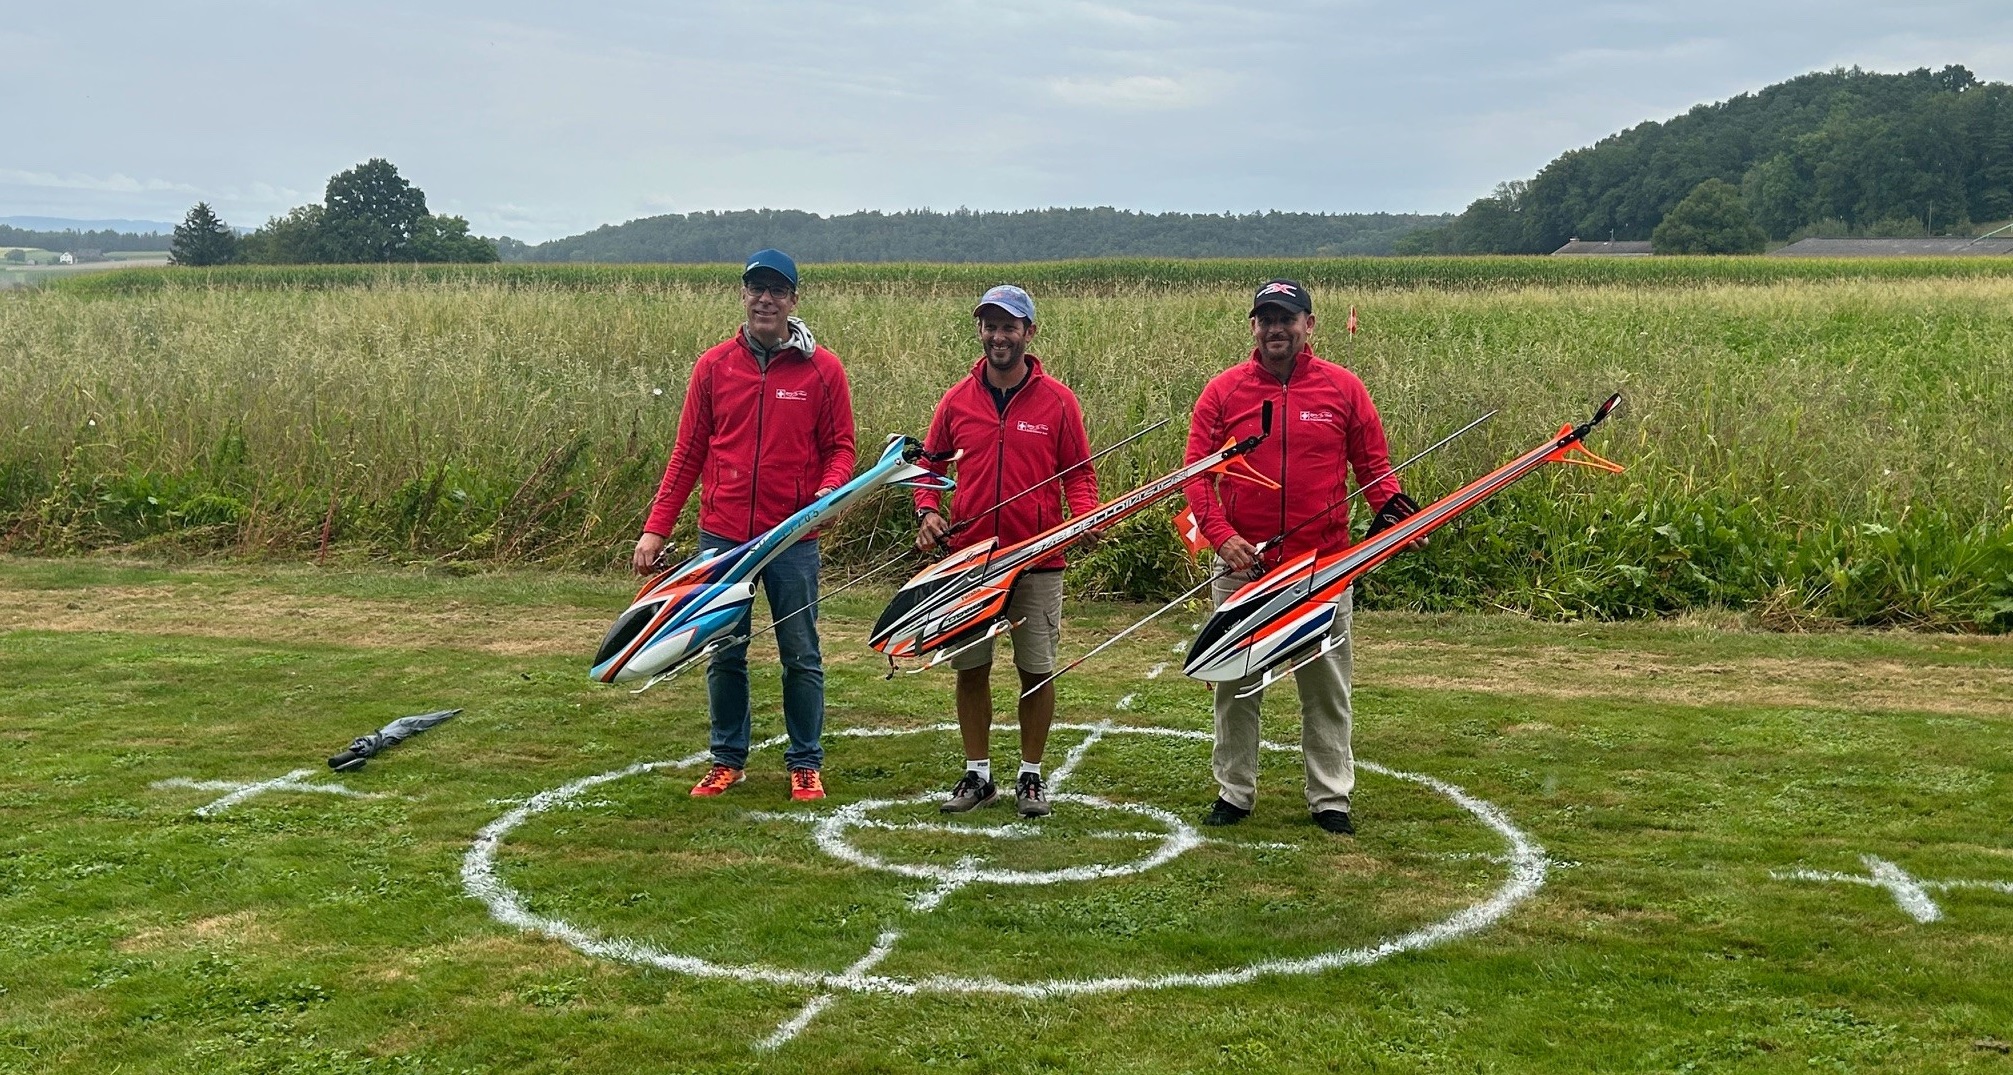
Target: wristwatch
x,y
920,512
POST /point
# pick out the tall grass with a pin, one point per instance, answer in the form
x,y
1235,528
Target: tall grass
x,y
1816,447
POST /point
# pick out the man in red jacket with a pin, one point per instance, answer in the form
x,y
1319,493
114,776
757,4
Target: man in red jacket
x,y
767,428
1018,428
1325,428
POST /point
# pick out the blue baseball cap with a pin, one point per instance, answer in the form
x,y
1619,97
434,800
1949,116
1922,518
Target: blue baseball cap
x,y
773,260
1009,298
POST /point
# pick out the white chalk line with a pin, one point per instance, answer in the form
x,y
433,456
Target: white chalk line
x,y
883,945
830,836
964,873
1075,756
240,791
1910,893
1022,830
1527,874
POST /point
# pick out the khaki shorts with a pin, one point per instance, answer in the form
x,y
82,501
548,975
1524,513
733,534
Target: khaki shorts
x,y
1037,606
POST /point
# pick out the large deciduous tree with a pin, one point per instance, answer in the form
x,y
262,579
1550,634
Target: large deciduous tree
x,y
1710,220
370,213
203,239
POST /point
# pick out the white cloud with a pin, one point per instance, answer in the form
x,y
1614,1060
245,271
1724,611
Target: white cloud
x,y
1133,92
114,183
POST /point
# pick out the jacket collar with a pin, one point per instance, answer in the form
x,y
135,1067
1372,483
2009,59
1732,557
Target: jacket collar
x,y
799,340
1033,371
1300,362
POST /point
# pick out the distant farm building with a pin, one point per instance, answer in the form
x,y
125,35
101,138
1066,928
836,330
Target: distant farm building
x,y
66,258
1627,248
1894,248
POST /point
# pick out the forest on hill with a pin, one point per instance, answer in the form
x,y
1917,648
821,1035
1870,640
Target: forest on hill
x,y
75,241
971,236
1842,152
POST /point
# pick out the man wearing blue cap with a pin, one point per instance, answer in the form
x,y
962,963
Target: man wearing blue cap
x,y
766,429
1018,429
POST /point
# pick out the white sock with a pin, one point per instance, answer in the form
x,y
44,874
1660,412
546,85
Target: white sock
x,y
983,767
1031,767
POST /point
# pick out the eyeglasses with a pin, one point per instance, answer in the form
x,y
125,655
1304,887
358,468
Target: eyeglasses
x,y
774,291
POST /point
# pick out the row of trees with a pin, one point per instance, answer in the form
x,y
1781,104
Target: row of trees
x,y
1836,153
70,240
964,235
369,213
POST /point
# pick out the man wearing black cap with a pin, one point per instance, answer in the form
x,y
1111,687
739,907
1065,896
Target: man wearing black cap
x,y
1325,428
767,428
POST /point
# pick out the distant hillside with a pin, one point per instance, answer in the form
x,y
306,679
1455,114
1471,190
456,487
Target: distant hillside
x,y
57,223
72,240
1034,235
1836,152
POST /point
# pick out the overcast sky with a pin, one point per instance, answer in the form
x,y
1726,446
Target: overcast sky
x,y
539,120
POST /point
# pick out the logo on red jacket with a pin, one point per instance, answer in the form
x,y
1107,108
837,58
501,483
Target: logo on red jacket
x,y
797,394
1032,427
1317,416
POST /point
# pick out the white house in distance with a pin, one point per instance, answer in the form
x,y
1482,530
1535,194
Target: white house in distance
x,y
66,258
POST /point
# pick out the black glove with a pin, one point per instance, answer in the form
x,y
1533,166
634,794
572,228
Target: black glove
x,y
1394,511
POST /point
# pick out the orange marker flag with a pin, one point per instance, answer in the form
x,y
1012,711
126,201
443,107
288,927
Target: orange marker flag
x,y
1352,320
1185,524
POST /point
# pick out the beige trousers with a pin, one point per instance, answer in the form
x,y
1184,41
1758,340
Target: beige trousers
x,y
1036,605
1324,721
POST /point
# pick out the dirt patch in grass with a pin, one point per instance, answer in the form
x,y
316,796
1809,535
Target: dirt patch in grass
x,y
1565,672
1646,671
239,927
277,616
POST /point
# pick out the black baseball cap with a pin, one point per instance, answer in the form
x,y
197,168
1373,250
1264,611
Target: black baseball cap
x,y
1282,292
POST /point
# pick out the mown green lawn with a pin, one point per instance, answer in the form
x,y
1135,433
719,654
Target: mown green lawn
x,y
1670,774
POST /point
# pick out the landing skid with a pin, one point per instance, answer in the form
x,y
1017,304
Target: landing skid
x,y
700,657
1274,675
999,627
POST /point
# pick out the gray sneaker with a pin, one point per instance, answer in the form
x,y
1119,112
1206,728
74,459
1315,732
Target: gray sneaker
x,y
1028,796
971,791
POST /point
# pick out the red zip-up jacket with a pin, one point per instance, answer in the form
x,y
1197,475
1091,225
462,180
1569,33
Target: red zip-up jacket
x,y
1039,435
1323,426
759,443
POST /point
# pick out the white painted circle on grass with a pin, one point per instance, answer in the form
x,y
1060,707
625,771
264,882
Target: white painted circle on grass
x,y
833,833
1526,860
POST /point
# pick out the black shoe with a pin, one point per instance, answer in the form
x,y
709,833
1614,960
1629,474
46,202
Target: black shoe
x,y
1336,821
1224,813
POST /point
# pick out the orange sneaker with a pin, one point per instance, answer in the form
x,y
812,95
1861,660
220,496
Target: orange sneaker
x,y
806,784
718,779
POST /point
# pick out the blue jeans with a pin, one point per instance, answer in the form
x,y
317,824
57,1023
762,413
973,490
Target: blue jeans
x,y
792,582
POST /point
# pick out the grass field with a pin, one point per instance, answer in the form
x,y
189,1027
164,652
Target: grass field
x,y
1634,904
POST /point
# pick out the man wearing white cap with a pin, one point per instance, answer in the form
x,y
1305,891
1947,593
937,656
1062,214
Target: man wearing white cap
x,y
1018,428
